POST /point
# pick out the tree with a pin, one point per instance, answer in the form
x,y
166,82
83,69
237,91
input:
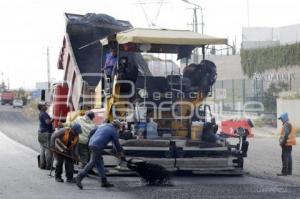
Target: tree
x,y
275,88
2,87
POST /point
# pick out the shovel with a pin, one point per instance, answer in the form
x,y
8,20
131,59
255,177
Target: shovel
x,y
60,153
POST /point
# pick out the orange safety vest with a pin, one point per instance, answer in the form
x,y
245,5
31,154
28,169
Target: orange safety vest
x,y
292,136
66,137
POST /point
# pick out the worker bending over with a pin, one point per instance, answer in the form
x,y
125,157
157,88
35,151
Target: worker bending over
x,y
99,140
287,140
87,125
64,142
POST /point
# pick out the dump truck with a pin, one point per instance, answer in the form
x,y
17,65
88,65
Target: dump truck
x,y
7,97
165,120
81,59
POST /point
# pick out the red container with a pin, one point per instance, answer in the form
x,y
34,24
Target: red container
x,y
60,104
228,127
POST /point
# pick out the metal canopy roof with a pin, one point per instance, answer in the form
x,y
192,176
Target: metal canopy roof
x,y
164,36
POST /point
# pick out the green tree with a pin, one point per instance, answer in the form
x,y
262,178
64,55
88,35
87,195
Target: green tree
x,y
270,95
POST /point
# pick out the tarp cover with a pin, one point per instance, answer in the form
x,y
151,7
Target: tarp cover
x,y
84,30
163,36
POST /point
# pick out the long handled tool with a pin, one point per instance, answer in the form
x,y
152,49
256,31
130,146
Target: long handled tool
x,y
63,154
152,174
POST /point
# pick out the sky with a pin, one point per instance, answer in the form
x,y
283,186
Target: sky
x,y
28,27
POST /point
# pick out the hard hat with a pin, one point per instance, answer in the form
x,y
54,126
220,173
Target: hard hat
x,y
76,128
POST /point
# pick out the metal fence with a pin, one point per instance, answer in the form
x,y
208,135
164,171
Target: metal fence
x,y
235,95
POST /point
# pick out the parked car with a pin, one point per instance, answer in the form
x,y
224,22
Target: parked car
x,y
18,103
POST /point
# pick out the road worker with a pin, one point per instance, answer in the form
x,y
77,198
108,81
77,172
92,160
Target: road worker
x,y
287,140
44,136
110,62
101,137
64,142
87,125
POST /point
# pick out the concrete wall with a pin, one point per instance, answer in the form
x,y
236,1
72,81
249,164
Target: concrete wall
x,y
228,67
258,37
292,107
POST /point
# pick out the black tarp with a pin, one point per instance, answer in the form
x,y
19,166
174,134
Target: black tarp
x,y
84,32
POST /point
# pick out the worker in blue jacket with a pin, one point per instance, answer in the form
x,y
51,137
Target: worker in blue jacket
x,y
101,137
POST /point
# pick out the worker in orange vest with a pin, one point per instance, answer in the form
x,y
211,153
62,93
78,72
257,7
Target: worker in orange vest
x,y
64,143
287,140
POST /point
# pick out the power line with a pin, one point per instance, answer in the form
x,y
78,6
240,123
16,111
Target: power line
x,y
144,11
151,23
158,12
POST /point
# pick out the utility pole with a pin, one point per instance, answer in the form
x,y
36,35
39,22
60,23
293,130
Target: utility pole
x,y
2,83
195,24
195,16
48,68
8,83
248,13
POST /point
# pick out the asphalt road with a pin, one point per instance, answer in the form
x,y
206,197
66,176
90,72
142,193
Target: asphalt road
x,y
20,177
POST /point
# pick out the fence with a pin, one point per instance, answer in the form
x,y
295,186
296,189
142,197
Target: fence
x,y
235,95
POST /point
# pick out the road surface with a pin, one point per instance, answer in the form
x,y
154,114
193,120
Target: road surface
x,y
20,177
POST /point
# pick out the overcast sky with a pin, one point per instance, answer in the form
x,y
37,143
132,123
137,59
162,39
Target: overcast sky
x,y
29,26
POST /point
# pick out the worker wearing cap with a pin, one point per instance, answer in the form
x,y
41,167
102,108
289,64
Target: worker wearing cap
x,y
101,137
64,141
287,140
44,136
87,125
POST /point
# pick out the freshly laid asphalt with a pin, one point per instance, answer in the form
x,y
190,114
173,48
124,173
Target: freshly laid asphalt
x,y
20,177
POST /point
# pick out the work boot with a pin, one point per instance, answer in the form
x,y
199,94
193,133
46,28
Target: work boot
x,y
59,179
71,180
282,174
78,182
105,184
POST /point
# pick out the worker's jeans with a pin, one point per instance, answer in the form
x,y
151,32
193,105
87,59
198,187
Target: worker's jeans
x,y
95,160
45,153
286,159
84,153
69,166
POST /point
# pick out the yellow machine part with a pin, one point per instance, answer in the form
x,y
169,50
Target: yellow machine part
x,y
180,127
72,115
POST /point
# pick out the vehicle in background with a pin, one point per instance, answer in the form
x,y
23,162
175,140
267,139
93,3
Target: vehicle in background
x,y
17,103
230,127
7,97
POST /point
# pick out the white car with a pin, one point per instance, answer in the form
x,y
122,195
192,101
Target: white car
x,y
18,103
